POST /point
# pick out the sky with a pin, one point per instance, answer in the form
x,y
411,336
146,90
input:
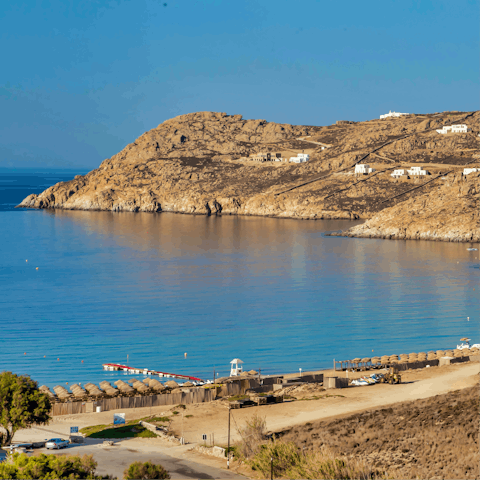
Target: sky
x,y
82,79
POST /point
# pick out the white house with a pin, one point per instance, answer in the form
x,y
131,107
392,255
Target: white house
x,y
453,129
393,114
300,158
417,171
363,169
399,173
236,367
468,171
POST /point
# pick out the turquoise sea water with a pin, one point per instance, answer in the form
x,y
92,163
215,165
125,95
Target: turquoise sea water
x,y
276,293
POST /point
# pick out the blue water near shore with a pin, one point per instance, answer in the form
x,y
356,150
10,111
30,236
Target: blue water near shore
x,y
277,293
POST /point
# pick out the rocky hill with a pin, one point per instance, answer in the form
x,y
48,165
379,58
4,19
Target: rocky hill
x,y
198,164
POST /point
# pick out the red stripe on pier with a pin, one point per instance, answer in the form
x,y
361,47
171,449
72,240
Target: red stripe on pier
x,y
153,372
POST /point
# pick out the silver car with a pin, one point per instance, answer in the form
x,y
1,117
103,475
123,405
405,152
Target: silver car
x,y
56,443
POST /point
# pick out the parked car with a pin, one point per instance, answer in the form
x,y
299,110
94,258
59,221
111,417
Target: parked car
x,y
56,443
19,447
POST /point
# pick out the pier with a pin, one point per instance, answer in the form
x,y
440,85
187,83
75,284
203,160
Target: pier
x,y
145,371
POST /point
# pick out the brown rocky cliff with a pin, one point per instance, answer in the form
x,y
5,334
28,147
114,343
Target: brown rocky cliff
x,y
196,164
450,212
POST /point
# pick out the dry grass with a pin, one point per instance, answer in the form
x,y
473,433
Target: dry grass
x,y
253,435
431,438
286,460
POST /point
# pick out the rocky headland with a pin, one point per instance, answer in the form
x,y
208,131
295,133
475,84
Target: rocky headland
x,y
198,164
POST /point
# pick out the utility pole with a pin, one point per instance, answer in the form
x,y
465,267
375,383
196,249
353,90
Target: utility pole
x,y
228,448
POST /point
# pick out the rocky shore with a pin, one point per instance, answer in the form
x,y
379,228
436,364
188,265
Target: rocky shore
x,y
198,164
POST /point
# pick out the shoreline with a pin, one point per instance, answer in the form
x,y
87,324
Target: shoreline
x,y
431,238
326,215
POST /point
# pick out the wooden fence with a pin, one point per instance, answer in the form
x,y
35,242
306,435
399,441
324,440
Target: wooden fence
x,y
69,408
199,395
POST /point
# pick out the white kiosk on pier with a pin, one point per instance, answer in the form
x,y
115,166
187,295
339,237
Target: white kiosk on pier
x,y
236,368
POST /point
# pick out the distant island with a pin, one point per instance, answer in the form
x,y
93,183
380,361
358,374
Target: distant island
x,y
408,176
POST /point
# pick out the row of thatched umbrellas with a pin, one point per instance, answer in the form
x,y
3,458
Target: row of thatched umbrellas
x,y
413,357
106,389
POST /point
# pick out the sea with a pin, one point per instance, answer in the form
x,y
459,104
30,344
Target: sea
x,y
187,294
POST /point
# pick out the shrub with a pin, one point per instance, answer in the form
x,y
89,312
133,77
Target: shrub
x,y
253,435
49,467
290,462
145,471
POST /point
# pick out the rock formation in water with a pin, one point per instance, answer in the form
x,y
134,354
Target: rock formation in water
x,y
197,163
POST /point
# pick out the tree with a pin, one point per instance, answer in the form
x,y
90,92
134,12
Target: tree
x,y
45,467
145,471
21,405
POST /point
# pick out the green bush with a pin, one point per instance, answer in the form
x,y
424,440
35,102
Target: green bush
x,y
46,467
128,431
145,471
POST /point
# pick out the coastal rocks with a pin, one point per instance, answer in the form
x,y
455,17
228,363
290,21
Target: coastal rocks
x,y
449,213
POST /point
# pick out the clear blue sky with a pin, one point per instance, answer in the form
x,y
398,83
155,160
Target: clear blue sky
x,y
81,79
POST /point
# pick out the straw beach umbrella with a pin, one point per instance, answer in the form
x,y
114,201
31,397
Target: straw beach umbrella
x,y
155,385
431,356
140,387
78,391
385,360
108,389
422,356
171,384
413,357
356,361
449,353
93,390
125,388
474,351
375,360
440,353
393,359
44,389
62,393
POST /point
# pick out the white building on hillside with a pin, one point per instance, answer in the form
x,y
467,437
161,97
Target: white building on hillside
x,y
453,129
468,171
399,173
363,169
393,114
417,171
300,158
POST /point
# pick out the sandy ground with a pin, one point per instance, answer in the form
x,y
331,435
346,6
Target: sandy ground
x,y
212,419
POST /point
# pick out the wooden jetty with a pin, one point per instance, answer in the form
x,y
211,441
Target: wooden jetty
x,y
145,371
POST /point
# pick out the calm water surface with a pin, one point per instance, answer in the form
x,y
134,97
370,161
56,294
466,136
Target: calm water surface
x,y
276,293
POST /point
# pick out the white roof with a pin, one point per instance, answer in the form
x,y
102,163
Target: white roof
x,y
236,360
